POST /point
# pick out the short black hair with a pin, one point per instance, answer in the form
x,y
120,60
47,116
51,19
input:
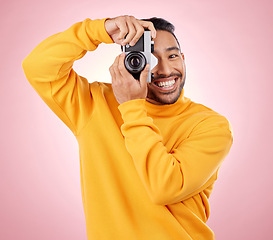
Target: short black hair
x,y
162,24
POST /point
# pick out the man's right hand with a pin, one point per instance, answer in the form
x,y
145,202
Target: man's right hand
x,y
127,29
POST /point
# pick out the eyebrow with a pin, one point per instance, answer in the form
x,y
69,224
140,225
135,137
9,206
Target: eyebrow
x,y
172,48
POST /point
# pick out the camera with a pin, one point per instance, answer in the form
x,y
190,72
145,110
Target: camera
x,y
139,55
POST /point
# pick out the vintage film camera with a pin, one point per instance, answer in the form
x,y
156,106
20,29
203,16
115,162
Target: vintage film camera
x,y
139,55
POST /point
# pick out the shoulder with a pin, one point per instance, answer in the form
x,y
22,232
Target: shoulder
x,y
205,117
100,87
102,93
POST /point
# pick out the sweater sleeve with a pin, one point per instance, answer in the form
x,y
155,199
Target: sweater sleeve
x,y
171,177
48,68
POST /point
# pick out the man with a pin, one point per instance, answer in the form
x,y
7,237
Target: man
x,y
149,156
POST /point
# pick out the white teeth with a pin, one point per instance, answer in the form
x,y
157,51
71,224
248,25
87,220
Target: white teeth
x,y
165,84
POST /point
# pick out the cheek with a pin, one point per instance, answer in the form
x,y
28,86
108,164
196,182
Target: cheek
x,y
179,69
179,66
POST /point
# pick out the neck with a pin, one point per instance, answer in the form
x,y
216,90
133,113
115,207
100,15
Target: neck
x,y
153,101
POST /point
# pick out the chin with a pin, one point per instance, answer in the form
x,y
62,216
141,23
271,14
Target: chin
x,y
164,98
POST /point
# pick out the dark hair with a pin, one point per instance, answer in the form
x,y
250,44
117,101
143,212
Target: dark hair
x,y
162,24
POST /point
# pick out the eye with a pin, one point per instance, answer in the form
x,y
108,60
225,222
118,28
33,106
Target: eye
x,y
173,56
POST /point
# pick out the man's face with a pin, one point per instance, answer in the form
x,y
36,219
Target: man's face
x,y
169,73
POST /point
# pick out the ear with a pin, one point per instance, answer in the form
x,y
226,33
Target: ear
x,y
183,56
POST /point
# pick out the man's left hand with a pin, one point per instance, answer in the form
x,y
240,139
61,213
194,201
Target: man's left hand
x,y
125,86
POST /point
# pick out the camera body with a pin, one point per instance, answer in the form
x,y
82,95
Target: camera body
x,y
139,55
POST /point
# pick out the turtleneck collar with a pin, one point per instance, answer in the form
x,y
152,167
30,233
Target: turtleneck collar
x,y
168,110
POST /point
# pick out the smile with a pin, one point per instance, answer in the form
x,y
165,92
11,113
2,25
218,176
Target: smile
x,y
166,84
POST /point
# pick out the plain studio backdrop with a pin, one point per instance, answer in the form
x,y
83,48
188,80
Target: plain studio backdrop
x,y
228,51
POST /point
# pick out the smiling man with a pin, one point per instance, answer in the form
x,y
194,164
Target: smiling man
x,y
149,156
170,72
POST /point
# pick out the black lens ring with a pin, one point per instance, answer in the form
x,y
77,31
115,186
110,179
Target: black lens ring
x,y
140,57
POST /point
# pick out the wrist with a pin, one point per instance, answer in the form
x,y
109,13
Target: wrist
x,y
133,109
97,32
109,26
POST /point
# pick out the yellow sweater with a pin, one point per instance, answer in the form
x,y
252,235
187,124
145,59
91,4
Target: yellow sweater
x,y
146,170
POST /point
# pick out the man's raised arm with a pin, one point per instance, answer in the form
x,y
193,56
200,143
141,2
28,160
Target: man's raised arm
x,y
48,68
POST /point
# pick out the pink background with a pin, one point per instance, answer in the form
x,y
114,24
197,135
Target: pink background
x,y
228,49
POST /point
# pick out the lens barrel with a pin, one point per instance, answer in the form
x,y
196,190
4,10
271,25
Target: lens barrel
x,y
135,62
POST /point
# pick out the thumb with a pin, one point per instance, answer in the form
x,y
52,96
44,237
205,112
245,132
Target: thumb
x,y
144,75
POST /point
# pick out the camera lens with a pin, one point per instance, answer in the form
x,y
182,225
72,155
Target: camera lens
x,y
135,62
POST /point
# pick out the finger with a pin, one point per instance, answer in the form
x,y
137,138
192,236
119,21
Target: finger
x,y
113,75
121,24
139,32
122,70
144,76
150,26
115,72
116,81
131,30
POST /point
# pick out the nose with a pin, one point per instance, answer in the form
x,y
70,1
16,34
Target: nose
x,y
162,68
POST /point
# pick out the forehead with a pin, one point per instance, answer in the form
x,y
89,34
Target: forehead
x,y
164,40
